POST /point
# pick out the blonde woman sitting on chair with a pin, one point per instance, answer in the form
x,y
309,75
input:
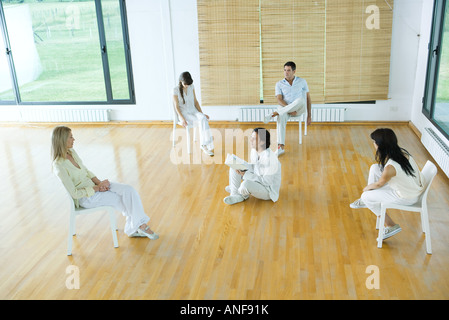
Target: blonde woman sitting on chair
x,y
89,192
190,113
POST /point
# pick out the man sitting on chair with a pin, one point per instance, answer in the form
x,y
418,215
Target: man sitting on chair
x,y
292,94
263,179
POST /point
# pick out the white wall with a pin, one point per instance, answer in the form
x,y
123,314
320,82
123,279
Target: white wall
x,y
178,18
404,47
164,43
404,55
151,55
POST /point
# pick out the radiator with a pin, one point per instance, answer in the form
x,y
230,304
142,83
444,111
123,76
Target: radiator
x,y
65,115
255,114
437,148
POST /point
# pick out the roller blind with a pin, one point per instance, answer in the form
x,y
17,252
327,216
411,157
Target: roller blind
x,y
341,48
358,41
293,31
229,51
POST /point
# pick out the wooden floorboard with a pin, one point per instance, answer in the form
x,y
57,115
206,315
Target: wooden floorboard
x,y
308,245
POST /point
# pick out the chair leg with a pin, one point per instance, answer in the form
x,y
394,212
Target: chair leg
x,y
71,234
69,246
381,228
377,222
174,134
113,227
72,224
305,124
426,227
188,140
423,223
194,134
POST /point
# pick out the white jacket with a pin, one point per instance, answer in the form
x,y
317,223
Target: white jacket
x,y
266,170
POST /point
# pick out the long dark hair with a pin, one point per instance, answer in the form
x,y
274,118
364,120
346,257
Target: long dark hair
x,y
187,79
387,148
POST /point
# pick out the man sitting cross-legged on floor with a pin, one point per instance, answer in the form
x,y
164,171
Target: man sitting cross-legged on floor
x,y
263,179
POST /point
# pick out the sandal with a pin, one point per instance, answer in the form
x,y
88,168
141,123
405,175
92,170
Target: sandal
x,y
143,232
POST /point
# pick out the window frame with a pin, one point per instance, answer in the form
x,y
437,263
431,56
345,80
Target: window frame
x,y
104,57
433,63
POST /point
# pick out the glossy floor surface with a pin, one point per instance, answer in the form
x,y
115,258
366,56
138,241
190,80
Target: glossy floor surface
x,y
308,245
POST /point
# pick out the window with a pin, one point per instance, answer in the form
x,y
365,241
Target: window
x,y
64,52
436,94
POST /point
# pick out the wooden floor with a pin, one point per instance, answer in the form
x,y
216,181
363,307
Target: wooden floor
x,y
308,245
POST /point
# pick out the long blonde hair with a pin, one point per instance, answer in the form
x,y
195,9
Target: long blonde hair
x,y
59,142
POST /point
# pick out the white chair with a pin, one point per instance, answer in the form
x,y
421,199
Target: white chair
x,y
79,211
302,117
175,122
429,172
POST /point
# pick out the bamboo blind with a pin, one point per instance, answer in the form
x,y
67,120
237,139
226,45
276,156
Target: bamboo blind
x,y
293,31
341,59
357,58
229,51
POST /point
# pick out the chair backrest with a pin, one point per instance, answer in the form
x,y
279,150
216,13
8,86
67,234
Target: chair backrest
x,y
175,114
176,118
428,172
72,202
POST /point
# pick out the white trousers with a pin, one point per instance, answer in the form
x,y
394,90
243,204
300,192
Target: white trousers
x,y
200,120
373,198
246,188
123,198
299,105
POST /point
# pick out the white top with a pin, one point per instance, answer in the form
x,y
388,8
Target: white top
x,y
267,172
407,187
189,105
292,92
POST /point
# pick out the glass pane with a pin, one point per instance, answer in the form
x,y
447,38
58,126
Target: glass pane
x,y
441,111
116,50
6,92
56,50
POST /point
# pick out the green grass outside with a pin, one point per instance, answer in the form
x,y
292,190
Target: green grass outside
x,y
443,76
71,59
441,111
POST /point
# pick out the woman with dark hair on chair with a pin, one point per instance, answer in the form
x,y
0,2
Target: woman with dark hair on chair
x,y
395,178
190,113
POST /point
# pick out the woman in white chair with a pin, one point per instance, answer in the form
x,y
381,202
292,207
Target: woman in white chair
x,y
190,113
89,192
395,178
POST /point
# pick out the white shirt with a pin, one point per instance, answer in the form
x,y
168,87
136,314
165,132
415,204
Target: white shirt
x,y
189,105
292,92
266,171
407,187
